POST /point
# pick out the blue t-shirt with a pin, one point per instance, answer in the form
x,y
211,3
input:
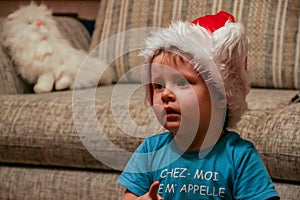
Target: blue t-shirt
x,y
232,169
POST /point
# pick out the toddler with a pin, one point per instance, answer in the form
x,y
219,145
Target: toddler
x,y
196,81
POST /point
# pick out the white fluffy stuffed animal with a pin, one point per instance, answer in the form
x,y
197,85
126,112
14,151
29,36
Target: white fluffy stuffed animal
x,y
41,54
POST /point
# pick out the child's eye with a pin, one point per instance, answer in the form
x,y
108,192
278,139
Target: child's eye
x,y
182,83
158,86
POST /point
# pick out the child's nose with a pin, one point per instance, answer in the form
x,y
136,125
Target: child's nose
x,y
168,95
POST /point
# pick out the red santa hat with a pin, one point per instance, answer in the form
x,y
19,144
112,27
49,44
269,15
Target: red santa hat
x,y
218,46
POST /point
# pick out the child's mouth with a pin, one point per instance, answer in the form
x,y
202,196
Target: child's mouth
x,y
171,112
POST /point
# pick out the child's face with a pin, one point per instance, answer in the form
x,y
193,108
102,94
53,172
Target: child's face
x,y
181,92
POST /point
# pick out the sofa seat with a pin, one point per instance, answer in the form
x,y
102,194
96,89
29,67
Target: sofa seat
x,y
41,131
36,183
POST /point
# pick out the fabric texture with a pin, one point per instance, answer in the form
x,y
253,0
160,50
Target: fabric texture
x,y
288,191
33,183
189,175
10,82
74,31
276,138
272,27
273,126
42,131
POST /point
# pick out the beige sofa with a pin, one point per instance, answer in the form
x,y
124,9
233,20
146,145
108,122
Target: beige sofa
x,y
73,144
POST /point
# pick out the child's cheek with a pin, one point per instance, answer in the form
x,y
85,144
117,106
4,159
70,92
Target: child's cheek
x,y
186,96
160,113
188,101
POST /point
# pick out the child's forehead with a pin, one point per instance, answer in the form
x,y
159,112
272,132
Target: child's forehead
x,y
171,62
173,65
164,57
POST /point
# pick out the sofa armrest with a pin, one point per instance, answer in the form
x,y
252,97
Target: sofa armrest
x,y
74,31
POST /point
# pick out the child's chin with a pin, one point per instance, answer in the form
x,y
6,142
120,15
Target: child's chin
x,y
172,128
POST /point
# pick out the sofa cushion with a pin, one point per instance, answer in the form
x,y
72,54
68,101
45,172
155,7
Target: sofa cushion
x,y
39,129
288,191
43,129
272,27
274,128
269,99
47,183
64,129
10,82
74,31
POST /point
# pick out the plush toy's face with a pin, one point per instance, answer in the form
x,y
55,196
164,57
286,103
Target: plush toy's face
x,y
30,22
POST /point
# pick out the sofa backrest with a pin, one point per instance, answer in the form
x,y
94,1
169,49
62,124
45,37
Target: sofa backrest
x,y
272,26
11,82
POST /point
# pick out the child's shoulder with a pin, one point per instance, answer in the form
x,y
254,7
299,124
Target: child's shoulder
x,y
239,148
161,137
158,140
235,141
